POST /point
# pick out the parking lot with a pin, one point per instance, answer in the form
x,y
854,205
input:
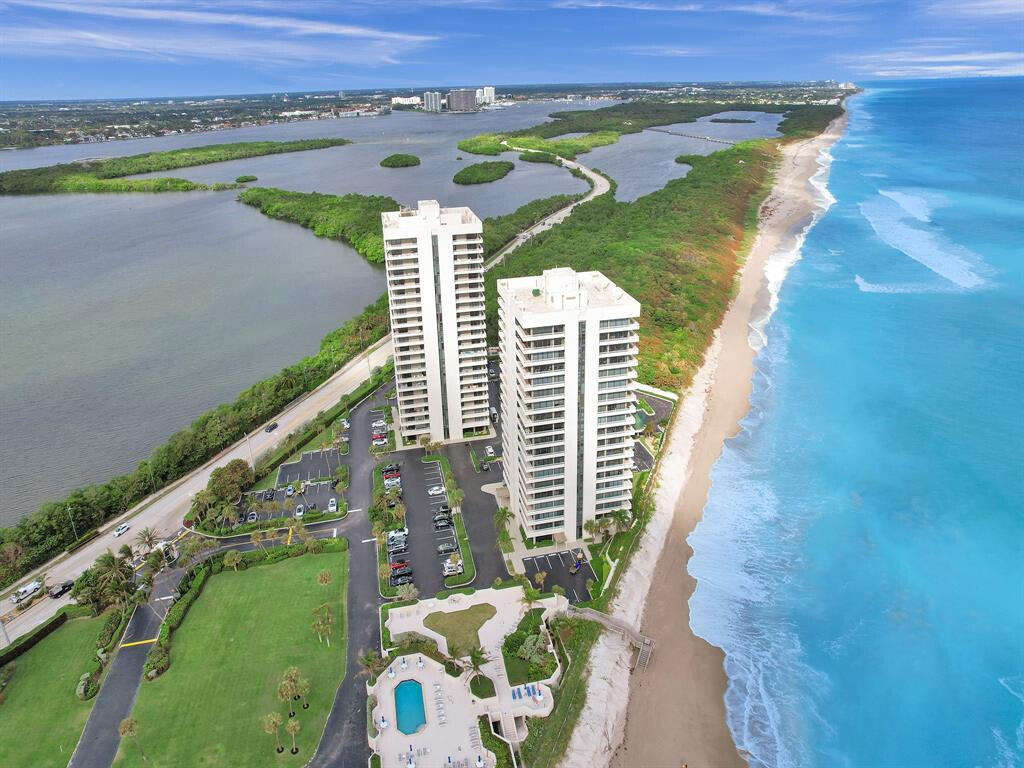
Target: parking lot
x,y
315,496
642,457
314,465
557,568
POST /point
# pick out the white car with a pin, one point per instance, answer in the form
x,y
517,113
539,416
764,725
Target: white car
x,y
345,424
400,533
436,490
121,530
379,423
300,511
490,451
27,591
380,442
332,505
289,491
394,482
452,569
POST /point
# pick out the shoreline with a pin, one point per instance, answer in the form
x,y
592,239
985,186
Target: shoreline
x,y
674,713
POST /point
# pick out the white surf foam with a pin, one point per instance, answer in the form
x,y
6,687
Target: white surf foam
x,y
866,287
916,205
928,247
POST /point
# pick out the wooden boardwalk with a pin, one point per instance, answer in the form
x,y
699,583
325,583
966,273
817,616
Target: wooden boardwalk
x,y
643,643
691,136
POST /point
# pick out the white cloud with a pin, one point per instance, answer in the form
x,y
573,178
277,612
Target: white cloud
x,y
660,50
798,11
926,59
989,8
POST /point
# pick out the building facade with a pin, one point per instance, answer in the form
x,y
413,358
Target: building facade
x,y
408,101
432,101
461,100
434,261
488,94
568,347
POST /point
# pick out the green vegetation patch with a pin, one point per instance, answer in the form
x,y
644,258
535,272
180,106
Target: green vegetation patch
x,y
352,218
482,173
460,628
399,160
500,748
549,736
675,250
500,230
481,686
245,179
525,652
228,657
42,717
107,175
539,157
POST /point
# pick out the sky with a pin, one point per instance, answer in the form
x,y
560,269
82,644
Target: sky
x,y
74,49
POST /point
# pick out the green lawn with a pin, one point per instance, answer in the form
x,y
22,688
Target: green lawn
x,y
481,686
41,716
459,628
227,659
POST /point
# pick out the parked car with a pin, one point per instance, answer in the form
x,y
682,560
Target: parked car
x,y
345,424
403,570
435,490
61,589
397,549
300,511
447,548
443,509
399,581
270,427
394,482
380,442
268,495
121,530
442,516
390,467
252,517
379,436
489,451
494,414
379,424
399,564
452,569
289,491
27,591
485,467
398,533
332,505
444,522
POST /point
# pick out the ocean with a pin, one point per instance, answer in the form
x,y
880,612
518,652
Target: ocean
x,y
861,555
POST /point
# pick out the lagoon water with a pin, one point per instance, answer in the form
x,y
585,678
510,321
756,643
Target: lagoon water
x,y
861,555
123,317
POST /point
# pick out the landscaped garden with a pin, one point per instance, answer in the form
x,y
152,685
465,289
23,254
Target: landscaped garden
x,y
525,651
460,628
41,715
229,663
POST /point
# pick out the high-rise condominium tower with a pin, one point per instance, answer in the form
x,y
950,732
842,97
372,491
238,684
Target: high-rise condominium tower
x,y
568,346
434,259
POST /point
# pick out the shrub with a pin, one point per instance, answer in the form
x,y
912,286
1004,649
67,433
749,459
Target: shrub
x,y
244,179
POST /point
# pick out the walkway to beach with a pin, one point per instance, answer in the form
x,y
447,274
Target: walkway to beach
x,y
691,136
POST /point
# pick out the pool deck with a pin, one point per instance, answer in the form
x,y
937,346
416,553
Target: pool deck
x,y
451,708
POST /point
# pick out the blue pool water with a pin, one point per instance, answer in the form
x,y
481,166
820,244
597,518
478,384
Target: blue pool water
x,y
409,706
861,556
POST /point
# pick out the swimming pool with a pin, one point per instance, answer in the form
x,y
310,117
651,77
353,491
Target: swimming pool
x,y
409,706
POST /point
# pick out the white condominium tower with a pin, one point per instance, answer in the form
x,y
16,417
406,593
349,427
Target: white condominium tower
x,y
434,259
568,346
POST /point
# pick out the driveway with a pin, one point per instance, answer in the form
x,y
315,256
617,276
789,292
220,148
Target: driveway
x,y
557,568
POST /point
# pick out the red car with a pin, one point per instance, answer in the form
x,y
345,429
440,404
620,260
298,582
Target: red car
x,y
399,565
379,436
392,475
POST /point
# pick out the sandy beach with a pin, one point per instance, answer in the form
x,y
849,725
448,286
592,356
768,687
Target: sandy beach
x,y
675,714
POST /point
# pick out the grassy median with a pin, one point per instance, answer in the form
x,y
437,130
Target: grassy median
x,y
227,659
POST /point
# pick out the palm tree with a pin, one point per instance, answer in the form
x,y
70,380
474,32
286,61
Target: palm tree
x,y
317,626
129,728
292,675
147,538
302,687
232,558
384,572
227,515
126,552
324,577
408,592
477,659
193,546
371,662
621,518
292,729
589,528
530,595
285,691
540,577
456,496
399,512
502,517
271,725
256,538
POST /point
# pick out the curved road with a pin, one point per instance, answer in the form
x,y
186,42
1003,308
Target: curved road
x,y
164,510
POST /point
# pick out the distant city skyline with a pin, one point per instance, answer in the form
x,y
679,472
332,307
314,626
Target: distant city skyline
x,y
55,49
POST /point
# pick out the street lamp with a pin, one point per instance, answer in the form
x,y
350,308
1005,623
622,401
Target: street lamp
x,y
73,529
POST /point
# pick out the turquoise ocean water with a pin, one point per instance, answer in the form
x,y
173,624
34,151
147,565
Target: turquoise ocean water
x,y
861,556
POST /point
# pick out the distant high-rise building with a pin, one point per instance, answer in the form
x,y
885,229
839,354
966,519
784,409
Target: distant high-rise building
x,y
479,95
461,100
568,347
432,101
489,97
410,101
434,261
